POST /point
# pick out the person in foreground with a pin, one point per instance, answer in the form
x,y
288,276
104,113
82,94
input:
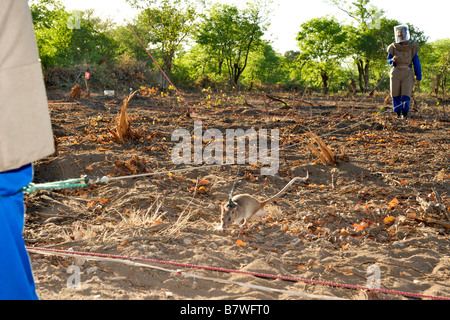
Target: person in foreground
x,y
25,136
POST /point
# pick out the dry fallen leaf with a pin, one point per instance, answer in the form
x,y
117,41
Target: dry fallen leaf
x,y
203,183
393,203
411,215
404,274
240,243
388,220
202,190
346,233
361,226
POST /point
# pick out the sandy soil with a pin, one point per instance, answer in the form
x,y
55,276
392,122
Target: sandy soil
x,y
360,213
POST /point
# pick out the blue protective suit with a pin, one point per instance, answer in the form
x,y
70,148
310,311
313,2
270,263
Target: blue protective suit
x,y
16,278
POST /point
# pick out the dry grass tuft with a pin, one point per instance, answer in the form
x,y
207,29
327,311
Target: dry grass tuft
x,y
136,221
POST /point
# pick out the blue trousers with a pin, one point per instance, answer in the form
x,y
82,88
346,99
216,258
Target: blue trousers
x,y
401,103
16,278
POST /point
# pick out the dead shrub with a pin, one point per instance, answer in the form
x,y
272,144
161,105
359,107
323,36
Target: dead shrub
x,y
320,149
123,132
76,92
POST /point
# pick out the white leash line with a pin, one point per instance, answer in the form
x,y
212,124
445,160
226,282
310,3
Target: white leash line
x,y
105,179
171,171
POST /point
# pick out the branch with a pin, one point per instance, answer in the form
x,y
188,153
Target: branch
x,y
431,221
277,99
335,2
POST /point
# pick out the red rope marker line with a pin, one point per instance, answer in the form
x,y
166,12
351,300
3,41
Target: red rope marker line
x,y
256,274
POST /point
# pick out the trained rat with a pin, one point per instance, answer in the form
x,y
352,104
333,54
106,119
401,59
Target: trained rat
x,y
242,207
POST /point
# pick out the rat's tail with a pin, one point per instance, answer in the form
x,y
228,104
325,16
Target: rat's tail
x,y
282,191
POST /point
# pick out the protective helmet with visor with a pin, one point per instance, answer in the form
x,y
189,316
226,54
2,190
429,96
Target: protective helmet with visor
x,y
401,33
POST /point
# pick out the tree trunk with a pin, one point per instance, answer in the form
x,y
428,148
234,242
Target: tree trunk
x,y
360,74
167,70
437,83
220,67
236,74
363,74
366,76
325,79
237,71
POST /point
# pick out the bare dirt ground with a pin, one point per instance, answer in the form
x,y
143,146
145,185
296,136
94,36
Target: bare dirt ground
x,y
362,212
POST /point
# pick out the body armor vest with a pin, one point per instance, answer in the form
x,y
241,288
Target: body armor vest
x,y
404,53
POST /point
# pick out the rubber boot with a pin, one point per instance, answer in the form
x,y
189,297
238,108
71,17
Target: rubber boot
x,y
405,114
397,106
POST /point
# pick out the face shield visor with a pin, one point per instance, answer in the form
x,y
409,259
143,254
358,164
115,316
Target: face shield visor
x,y
401,33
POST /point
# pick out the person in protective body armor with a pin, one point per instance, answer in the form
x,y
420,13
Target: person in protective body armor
x,y
403,55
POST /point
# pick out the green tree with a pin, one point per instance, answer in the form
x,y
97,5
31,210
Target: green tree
x,y
170,23
90,43
127,45
435,61
265,66
322,45
364,44
293,69
230,34
66,39
52,34
197,67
